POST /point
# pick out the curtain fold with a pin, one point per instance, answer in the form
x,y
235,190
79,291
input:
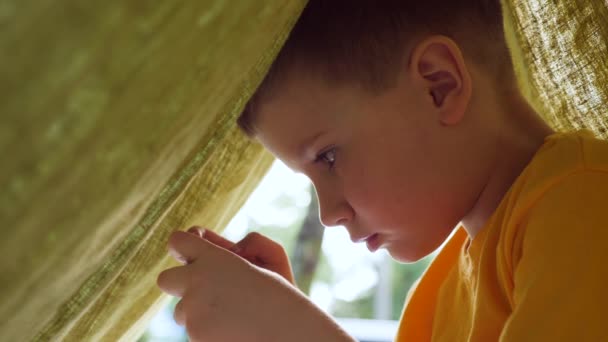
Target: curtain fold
x,y
117,127
560,50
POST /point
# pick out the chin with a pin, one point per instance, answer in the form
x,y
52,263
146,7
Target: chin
x,y
405,256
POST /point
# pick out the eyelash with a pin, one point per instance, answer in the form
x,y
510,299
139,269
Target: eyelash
x,y
322,157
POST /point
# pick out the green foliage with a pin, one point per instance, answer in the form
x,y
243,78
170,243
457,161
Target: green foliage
x,y
363,307
404,276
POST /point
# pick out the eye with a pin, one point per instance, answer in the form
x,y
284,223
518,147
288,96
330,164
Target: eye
x,y
328,157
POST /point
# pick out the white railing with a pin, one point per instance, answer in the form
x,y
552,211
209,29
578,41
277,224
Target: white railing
x,y
369,330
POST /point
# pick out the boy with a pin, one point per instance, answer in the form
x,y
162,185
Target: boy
x,y
407,118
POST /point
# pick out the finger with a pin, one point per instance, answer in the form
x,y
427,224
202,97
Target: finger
x,y
179,314
259,246
186,247
266,253
174,281
212,237
217,239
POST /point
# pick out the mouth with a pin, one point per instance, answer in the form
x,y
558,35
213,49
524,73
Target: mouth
x,y
373,242
361,238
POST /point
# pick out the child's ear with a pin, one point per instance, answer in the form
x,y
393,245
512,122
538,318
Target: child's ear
x,y
439,63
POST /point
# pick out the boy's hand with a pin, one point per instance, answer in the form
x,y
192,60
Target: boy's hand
x,y
255,248
225,298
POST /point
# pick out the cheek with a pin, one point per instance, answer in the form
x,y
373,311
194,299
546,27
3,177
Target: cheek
x,y
395,195
379,196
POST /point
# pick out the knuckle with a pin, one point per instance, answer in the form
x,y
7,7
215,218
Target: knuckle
x,y
275,244
197,279
179,313
161,279
174,238
280,249
254,236
194,328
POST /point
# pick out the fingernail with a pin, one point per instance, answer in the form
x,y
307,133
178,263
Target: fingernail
x,y
196,231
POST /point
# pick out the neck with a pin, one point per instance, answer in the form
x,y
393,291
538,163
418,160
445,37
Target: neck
x,y
519,135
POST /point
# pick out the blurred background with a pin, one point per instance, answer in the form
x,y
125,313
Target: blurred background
x,y
364,291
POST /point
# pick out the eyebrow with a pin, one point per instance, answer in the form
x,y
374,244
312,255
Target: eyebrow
x,y
304,146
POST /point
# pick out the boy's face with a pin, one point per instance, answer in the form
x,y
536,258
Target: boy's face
x,y
387,165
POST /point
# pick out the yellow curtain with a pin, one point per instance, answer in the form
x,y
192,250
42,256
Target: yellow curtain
x,y
117,127
561,57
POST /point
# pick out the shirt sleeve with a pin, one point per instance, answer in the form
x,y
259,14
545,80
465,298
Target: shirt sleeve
x,y
561,280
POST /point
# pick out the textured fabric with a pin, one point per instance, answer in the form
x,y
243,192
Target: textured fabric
x,y
559,48
536,271
117,126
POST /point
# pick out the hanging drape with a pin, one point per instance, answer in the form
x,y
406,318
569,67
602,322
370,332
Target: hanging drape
x,y
117,127
560,48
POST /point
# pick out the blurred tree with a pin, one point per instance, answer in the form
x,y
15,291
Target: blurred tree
x,y
305,256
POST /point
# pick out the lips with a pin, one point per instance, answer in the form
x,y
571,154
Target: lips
x,y
361,238
373,242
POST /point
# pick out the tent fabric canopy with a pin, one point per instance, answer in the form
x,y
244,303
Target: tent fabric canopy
x,y
118,127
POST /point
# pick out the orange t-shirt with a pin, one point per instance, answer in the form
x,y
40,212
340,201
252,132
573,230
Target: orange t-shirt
x,y
538,270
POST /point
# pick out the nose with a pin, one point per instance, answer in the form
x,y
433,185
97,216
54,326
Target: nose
x,y
334,210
